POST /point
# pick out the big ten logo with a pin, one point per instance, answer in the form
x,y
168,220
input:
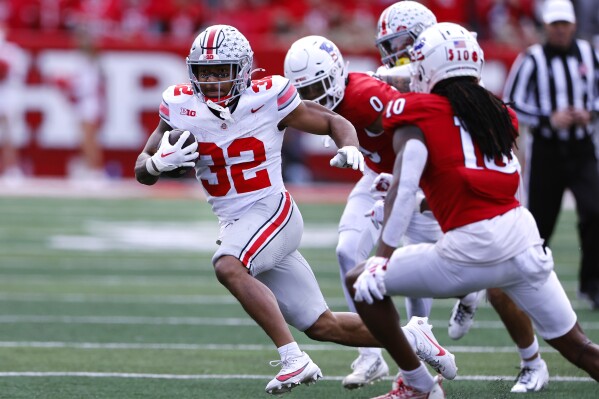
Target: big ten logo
x,y
187,112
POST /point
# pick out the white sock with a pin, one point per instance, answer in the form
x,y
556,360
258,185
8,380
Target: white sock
x,y
289,350
530,351
370,351
419,379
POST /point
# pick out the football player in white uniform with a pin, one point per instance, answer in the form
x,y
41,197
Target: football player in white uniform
x,y
238,125
398,27
315,66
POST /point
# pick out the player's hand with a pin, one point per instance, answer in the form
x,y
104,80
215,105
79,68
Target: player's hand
x,y
348,157
326,141
380,185
371,282
377,213
172,156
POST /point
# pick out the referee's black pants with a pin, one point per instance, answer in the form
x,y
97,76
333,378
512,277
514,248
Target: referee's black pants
x,y
555,165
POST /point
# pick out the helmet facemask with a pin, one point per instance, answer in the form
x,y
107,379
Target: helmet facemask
x,y
237,74
321,90
395,48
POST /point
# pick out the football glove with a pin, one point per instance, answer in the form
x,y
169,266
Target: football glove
x,y
172,156
326,141
348,157
380,186
377,213
371,282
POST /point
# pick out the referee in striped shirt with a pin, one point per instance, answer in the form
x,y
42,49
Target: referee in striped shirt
x,y
554,88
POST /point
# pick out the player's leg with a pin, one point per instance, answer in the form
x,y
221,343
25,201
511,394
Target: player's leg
x,y
423,228
585,187
462,314
381,318
550,309
256,299
357,237
533,375
250,247
546,185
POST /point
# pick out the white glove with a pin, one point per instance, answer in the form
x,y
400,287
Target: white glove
x,y
377,213
371,282
348,157
169,157
326,141
380,185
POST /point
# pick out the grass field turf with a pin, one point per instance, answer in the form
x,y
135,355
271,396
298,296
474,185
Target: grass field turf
x,y
110,298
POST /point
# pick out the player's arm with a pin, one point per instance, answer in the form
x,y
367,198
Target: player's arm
x,y
314,118
412,154
141,171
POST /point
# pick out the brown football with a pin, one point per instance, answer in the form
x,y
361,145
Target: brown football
x,y
173,137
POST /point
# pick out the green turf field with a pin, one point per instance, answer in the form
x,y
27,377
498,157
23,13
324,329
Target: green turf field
x,y
115,298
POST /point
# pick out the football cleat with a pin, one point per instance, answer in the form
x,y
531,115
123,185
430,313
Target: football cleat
x,y
403,391
428,349
462,317
294,371
532,379
368,368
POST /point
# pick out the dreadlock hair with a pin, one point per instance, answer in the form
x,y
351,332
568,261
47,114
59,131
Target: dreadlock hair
x,y
482,114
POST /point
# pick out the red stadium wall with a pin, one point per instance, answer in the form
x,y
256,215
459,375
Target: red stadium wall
x,y
45,124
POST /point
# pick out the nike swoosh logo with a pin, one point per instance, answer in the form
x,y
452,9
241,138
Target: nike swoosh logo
x,y
441,350
166,154
257,109
285,377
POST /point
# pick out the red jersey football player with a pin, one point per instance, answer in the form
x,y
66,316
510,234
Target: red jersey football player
x,y
315,66
454,139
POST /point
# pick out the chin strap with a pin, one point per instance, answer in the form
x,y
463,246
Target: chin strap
x,y
224,112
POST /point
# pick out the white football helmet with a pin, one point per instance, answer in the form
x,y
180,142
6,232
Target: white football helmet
x,y
399,25
221,45
314,65
443,51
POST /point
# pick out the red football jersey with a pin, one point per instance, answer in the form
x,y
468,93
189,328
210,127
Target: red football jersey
x,y
461,186
364,100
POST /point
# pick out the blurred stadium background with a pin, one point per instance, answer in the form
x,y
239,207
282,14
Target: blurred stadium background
x,y
141,46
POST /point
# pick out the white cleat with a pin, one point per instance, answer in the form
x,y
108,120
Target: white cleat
x,y
462,317
295,371
429,350
368,368
532,379
403,391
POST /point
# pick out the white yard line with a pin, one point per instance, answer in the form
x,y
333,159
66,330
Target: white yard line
x,y
221,347
201,321
554,378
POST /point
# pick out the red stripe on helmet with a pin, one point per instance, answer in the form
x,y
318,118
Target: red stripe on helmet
x,y
384,22
211,42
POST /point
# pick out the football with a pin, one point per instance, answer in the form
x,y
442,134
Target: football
x,y
173,137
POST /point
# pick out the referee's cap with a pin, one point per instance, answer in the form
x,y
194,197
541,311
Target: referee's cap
x,y
558,10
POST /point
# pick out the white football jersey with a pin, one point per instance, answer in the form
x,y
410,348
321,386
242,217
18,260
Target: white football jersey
x,y
240,160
